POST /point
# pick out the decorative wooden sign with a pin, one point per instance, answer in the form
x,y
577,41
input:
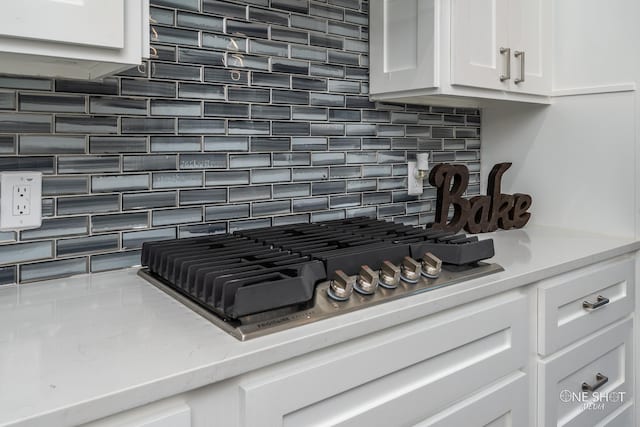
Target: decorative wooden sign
x,y
480,214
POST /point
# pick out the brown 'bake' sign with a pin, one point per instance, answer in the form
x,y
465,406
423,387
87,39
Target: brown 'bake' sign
x,y
480,214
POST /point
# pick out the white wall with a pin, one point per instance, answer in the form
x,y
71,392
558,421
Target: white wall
x,y
578,157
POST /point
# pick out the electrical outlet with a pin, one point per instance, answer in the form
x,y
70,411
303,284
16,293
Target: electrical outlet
x,y
20,200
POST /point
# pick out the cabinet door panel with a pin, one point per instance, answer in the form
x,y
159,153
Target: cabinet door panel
x,y
530,32
398,376
560,378
404,46
478,31
86,22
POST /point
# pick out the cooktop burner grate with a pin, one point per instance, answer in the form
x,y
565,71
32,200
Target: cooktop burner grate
x,y
242,275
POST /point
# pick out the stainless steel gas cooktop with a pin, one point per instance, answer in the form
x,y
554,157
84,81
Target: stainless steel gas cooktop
x,y
255,282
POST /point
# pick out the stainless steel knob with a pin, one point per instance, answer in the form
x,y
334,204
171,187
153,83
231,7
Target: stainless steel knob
x,y
367,281
389,275
341,287
410,270
431,265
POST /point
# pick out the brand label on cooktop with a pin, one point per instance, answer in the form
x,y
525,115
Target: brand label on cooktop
x,y
290,318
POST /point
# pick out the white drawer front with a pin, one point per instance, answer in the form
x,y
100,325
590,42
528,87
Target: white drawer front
x,y
504,404
562,319
560,394
398,376
622,418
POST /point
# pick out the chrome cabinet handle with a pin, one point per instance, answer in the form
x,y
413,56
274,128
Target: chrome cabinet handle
x,y
600,301
506,52
600,381
520,54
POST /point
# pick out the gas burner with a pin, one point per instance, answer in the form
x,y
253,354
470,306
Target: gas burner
x,y
255,282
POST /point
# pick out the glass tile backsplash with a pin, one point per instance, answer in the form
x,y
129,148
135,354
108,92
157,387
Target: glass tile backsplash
x,y
254,113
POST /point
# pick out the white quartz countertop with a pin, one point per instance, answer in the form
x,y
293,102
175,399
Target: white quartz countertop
x,y
75,349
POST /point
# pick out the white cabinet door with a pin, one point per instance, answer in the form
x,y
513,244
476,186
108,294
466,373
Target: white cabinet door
x,y
479,30
86,22
530,43
83,39
404,46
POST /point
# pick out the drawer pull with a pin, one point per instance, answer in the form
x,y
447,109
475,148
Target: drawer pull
x,y
600,301
600,381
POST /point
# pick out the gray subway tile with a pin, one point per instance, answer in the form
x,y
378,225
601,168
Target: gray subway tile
x,y
201,197
109,183
201,126
202,161
155,199
291,159
52,103
135,239
262,176
31,83
270,143
202,229
108,86
55,186
291,190
270,111
200,91
88,204
86,124
310,204
58,227
50,144
176,216
162,107
177,180
226,109
114,261
222,42
148,88
226,143
149,163
42,164
179,4
148,125
175,144
216,213
124,221
117,105
28,123
88,164
310,174
222,178
7,144
82,245
249,160
193,56
271,208
177,36
249,224
328,187
52,269
242,194
117,144
22,252
8,275
248,29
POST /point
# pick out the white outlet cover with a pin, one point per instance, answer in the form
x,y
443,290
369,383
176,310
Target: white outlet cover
x,y
415,184
20,200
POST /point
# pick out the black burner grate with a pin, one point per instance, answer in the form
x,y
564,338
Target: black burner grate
x,y
251,271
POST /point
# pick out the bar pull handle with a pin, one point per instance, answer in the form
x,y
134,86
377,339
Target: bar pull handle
x,y
520,54
600,381
600,301
506,53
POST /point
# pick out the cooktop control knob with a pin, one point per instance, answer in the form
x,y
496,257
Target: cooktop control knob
x,y
341,287
389,275
431,265
367,281
410,270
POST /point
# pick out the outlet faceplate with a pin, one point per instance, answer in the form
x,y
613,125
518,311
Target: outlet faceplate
x,y
20,200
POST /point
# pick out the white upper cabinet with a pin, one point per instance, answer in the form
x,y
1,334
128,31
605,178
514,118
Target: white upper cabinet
x,y
460,52
84,39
